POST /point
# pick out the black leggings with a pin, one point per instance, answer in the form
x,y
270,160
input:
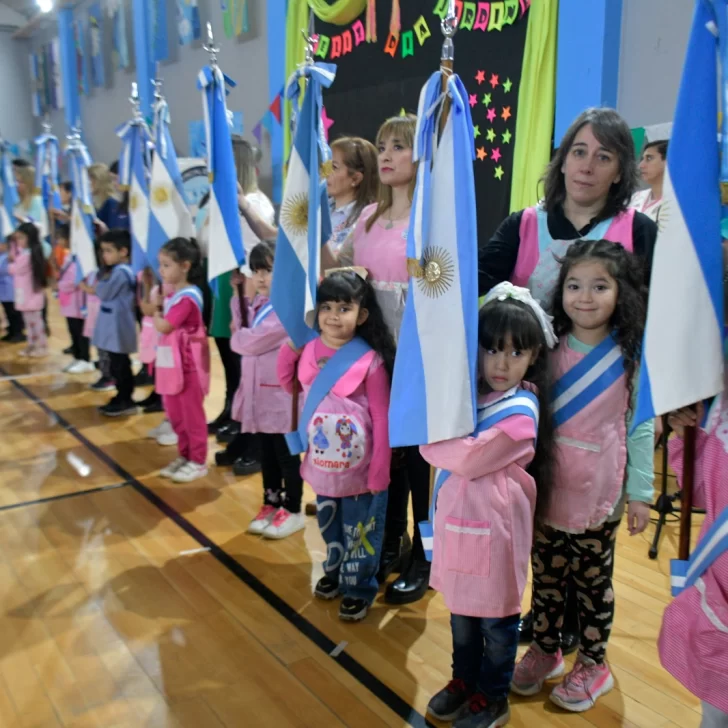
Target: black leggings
x,y
282,482
79,343
231,365
15,319
410,474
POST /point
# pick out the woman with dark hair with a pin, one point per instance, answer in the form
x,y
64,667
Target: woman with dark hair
x,y
652,170
588,186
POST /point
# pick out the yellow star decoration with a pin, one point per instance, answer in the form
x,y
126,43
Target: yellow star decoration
x,y
507,85
506,136
476,131
491,134
498,172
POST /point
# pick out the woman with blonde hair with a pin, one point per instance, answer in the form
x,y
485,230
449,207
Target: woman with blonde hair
x,y
109,211
30,206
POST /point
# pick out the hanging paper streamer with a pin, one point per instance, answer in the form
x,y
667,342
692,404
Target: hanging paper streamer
x,y
188,21
57,83
120,49
96,27
35,86
241,16
46,171
159,29
10,192
79,37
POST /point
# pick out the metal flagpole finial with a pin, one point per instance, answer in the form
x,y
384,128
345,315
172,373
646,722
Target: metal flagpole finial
x,y
308,38
135,101
448,26
46,124
210,46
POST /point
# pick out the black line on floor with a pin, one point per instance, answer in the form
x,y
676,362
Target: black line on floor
x,y
63,496
370,681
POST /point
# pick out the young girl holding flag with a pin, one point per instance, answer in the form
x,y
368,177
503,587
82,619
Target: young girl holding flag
x,y
484,504
182,365
599,315
343,430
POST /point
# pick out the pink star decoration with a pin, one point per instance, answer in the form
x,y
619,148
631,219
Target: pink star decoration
x,y
493,79
491,114
326,121
480,77
473,100
495,155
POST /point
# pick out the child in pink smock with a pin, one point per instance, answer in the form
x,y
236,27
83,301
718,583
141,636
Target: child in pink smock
x,y
72,301
182,365
484,504
28,268
693,642
345,375
262,406
603,467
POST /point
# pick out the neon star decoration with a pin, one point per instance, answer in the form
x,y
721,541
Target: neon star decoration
x,y
491,134
327,122
486,99
493,79
473,100
506,113
476,131
491,114
495,155
507,85
498,172
482,154
506,137
480,77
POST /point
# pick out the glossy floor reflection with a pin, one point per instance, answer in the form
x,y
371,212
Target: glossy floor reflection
x,y
112,615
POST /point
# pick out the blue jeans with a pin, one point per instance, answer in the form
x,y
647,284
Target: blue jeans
x,y
484,653
353,557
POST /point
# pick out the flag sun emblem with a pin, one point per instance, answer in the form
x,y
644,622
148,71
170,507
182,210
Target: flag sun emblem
x,y
435,273
77,221
160,195
133,202
294,214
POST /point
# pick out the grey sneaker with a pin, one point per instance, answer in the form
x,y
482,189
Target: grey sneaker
x,y
451,702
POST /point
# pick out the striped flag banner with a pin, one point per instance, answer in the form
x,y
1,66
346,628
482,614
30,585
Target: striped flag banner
x,y
46,170
10,191
682,358
82,211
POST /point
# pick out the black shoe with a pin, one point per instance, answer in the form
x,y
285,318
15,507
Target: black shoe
x,y
222,419
225,458
326,588
151,399
569,642
411,586
103,385
352,609
15,338
394,555
451,702
118,408
484,713
227,432
525,629
143,378
245,465
68,350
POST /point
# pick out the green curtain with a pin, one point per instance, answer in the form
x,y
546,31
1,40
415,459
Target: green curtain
x,y
340,12
536,103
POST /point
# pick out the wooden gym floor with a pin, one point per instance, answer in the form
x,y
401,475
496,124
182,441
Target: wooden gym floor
x,y
126,600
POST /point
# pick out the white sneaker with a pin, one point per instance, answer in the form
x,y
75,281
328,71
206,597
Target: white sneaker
x,y
155,432
80,367
173,467
284,524
262,520
189,471
69,367
163,434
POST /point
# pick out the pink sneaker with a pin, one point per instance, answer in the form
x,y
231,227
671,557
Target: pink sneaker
x,y
284,524
262,520
583,685
534,669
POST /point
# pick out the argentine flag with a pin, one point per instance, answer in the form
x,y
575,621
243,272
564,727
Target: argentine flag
x,y
435,370
9,190
134,177
82,210
46,171
305,221
226,250
169,215
682,358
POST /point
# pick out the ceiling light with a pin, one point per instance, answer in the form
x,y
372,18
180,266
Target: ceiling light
x,y
45,6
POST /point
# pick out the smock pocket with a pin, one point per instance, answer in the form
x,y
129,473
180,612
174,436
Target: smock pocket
x,y
467,546
579,462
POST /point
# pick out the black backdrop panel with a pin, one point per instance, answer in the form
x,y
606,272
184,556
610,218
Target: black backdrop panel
x,y
372,85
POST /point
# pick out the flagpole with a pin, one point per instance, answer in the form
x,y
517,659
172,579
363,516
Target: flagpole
x,y
47,130
448,26
686,502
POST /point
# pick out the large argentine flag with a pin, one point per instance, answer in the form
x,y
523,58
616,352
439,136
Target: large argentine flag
x,y
305,222
82,211
134,177
226,250
682,359
169,215
9,190
434,384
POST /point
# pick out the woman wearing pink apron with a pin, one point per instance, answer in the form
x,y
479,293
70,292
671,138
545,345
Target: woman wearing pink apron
x,y
588,186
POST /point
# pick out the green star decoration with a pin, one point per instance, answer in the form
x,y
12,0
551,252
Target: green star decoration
x,y
486,99
491,135
506,136
507,85
498,172
476,131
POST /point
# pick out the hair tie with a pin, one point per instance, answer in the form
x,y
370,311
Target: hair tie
x,y
358,270
507,290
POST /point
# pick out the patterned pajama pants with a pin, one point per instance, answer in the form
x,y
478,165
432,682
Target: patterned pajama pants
x,y
589,559
35,331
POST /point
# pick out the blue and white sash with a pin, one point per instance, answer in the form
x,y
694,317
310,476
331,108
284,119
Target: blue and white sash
x,y
522,402
262,314
192,292
583,383
328,376
684,574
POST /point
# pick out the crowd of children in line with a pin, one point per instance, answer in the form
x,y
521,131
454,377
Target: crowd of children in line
x,y
552,468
